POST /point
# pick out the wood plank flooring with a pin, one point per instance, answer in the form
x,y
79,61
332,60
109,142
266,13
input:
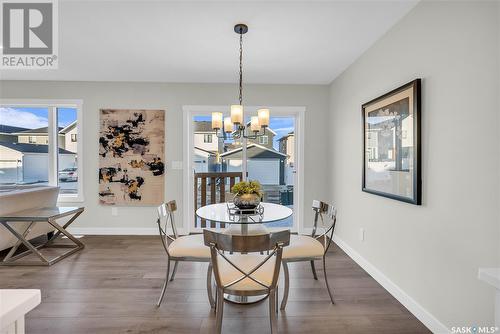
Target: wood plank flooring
x,y
113,284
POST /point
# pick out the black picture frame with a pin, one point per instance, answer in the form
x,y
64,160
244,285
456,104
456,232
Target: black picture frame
x,y
416,193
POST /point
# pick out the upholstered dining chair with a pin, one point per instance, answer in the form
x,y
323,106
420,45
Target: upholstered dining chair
x,y
246,274
181,248
310,248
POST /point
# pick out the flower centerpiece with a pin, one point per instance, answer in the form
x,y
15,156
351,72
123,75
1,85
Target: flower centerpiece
x,y
247,195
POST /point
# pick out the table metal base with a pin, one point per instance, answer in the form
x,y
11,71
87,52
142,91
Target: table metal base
x,y
244,299
14,260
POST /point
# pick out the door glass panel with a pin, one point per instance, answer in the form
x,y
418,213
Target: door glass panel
x,y
24,146
209,156
68,150
270,160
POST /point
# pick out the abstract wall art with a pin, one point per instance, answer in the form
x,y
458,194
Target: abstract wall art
x,y
392,144
131,157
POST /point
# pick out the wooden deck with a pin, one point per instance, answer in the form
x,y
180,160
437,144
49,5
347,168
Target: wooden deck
x,y
113,284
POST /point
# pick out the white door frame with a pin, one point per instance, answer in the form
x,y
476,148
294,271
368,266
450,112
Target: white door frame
x,y
276,111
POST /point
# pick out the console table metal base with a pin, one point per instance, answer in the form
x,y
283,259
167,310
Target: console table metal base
x,y
15,260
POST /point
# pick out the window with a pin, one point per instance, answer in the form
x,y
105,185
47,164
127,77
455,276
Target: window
x,y
207,138
263,140
54,160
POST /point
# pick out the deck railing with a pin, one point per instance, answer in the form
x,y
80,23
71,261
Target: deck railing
x,y
210,188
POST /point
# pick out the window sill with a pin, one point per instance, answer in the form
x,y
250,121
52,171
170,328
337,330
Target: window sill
x,y
70,199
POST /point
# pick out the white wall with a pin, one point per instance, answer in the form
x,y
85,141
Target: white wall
x,y
432,252
172,97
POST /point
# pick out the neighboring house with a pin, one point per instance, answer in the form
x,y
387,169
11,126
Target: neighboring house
x,y
29,163
265,164
287,146
38,136
70,133
206,147
266,140
7,133
204,161
205,138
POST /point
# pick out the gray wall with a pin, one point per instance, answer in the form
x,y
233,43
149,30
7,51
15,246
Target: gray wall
x,y
432,251
172,97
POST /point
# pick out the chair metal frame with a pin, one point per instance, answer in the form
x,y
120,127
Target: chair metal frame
x,y
272,243
165,218
320,209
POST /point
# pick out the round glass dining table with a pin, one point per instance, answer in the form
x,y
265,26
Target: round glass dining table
x,y
244,225
220,213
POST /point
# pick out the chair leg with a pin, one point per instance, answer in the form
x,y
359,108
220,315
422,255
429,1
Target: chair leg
x,y
220,310
164,285
174,271
276,306
272,312
314,270
287,285
209,286
326,280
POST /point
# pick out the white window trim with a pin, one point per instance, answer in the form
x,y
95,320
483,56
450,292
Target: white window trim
x,y
191,110
53,138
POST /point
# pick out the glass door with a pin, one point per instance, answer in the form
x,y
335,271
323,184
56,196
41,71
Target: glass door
x,y
215,164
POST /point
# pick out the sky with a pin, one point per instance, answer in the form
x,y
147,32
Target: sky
x,y
280,125
32,118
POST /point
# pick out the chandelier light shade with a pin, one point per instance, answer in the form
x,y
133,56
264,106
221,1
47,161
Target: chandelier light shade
x,y
217,120
237,114
258,124
228,125
263,115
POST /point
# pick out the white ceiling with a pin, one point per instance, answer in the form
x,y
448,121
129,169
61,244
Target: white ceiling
x,y
185,41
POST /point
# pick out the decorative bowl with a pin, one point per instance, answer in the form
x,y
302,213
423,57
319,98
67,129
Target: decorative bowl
x,y
247,201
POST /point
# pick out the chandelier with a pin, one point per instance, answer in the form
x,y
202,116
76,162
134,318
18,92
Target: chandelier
x,y
235,125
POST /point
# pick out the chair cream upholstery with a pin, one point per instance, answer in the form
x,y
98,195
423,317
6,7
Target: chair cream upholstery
x,y
246,262
181,248
189,246
303,246
246,274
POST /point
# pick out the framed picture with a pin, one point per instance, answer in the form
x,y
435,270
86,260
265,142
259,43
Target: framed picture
x,y
131,157
391,144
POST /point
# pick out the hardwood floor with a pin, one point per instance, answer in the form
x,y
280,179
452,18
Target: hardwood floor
x,y
113,284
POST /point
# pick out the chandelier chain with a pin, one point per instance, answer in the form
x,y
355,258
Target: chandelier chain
x,y
241,68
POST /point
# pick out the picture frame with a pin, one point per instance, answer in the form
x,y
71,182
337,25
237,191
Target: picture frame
x,y
391,130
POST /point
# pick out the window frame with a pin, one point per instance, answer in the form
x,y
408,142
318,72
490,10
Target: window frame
x,y
261,140
53,135
31,139
73,135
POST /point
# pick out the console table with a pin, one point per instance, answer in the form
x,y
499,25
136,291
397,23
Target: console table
x,y
14,304
36,216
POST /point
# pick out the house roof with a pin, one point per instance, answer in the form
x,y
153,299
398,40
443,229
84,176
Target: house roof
x,y
266,149
32,148
203,126
290,134
7,129
39,131
68,127
206,151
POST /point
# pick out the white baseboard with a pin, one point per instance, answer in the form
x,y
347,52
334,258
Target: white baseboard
x,y
118,230
415,308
